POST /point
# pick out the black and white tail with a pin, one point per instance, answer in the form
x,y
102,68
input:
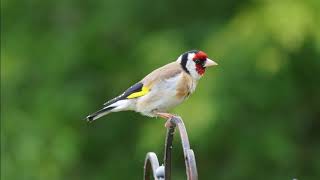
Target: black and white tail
x,y
115,106
100,113
120,103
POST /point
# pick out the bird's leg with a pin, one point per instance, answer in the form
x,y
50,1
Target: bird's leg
x,y
166,116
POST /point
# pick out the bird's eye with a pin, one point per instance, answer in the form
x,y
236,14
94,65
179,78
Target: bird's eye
x,y
197,61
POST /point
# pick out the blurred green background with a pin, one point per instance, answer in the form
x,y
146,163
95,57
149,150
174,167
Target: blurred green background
x,y
255,116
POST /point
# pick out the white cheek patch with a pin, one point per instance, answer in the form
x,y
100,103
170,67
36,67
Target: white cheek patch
x,y
191,66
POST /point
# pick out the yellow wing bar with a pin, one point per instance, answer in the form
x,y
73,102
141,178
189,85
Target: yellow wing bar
x,y
143,92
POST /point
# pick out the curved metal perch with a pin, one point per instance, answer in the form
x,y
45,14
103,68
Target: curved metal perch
x,y
190,162
152,162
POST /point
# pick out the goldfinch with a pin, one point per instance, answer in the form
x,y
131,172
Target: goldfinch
x,y
162,89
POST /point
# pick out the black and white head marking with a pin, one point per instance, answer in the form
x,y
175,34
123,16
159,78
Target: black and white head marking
x,y
187,63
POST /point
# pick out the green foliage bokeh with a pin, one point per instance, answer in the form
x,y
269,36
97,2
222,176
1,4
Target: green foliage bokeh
x,y
255,116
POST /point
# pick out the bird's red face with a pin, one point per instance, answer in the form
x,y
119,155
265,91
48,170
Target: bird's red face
x,y
195,63
200,59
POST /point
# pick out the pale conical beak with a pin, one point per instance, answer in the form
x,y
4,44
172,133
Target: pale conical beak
x,y
209,63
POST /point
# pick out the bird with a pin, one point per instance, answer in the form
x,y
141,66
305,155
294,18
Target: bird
x,y
162,89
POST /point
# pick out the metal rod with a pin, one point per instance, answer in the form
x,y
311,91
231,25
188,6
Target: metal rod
x,y
168,152
151,163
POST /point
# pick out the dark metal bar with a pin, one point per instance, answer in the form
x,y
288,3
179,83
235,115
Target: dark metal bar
x,y
151,164
168,152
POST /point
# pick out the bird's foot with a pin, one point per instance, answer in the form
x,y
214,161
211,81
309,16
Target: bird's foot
x,y
165,115
168,117
169,124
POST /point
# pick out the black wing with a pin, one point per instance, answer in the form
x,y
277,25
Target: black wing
x,y
135,88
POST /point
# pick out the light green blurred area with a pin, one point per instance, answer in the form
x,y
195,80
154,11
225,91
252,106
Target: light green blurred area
x,y
255,116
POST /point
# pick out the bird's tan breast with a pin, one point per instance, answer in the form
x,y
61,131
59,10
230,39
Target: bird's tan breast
x,y
184,86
